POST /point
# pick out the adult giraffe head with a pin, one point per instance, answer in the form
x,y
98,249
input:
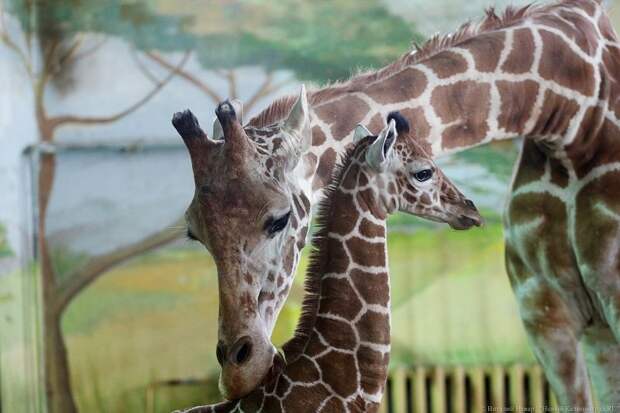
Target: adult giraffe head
x,y
252,215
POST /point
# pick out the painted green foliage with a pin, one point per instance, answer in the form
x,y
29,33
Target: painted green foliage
x,y
319,41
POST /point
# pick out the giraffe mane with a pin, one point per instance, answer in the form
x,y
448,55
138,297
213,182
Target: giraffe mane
x,y
319,257
490,21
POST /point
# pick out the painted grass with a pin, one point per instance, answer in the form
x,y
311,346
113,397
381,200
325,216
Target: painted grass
x,y
155,318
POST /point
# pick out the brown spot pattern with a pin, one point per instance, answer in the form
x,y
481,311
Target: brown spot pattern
x,y
447,64
467,102
308,399
591,220
531,206
369,330
376,123
341,126
556,115
333,405
517,102
420,128
302,370
370,229
373,368
576,73
338,297
374,288
339,378
367,253
318,137
486,49
325,168
314,346
517,61
407,84
337,334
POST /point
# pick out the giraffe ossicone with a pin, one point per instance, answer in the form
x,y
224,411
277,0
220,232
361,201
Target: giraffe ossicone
x,y
338,359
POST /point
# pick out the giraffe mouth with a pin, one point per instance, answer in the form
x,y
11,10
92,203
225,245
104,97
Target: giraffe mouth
x,y
466,222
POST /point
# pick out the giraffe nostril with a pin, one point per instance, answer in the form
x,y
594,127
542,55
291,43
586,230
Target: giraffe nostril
x,y
220,352
241,351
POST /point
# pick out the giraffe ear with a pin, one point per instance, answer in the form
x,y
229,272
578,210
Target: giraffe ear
x,y
297,124
360,133
218,132
238,107
381,150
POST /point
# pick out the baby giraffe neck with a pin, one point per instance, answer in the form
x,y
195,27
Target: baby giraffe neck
x,y
348,321
353,316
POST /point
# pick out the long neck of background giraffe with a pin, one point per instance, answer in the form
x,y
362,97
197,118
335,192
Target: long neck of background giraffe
x,y
519,80
491,87
347,292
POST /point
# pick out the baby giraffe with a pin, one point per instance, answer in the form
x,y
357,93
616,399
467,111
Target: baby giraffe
x,y
338,359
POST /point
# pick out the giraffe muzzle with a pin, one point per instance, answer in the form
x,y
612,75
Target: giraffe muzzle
x,y
244,364
466,215
240,352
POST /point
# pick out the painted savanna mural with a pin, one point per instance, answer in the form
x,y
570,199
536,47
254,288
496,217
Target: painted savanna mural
x,y
117,299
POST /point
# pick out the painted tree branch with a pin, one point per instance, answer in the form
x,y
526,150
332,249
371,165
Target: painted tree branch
x,y
216,98
69,54
260,92
231,77
266,89
87,120
87,52
97,266
6,39
146,72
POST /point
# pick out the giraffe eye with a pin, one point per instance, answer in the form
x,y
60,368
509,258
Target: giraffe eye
x,y
423,175
190,235
275,225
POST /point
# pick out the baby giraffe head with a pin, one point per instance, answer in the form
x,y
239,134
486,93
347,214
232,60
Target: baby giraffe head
x,y
405,178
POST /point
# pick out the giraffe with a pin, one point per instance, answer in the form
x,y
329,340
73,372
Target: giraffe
x,y
545,73
338,359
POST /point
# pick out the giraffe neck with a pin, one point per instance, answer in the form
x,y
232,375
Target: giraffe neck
x,y
345,328
495,81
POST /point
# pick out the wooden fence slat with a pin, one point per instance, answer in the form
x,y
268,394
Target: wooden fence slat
x,y
517,390
478,397
438,391
458,391
399,391
418,393
497,387
537,389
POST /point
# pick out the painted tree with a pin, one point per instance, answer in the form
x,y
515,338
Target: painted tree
x,y
317,41
60,46
308,38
